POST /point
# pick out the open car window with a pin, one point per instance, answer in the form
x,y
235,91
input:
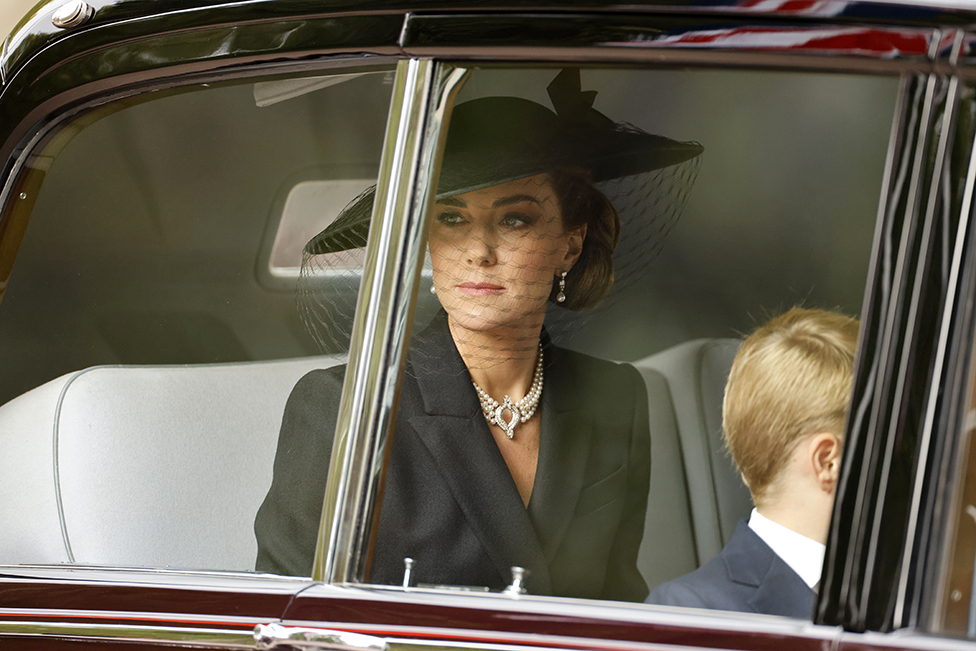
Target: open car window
x,y
150,337
753,192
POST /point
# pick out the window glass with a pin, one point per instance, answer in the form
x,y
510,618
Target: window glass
x,y
149,336
739,195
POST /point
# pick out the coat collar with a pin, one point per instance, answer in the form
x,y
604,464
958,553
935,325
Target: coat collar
x,y
455,432
778,589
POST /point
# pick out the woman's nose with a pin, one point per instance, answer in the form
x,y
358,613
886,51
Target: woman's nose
x,y
480,249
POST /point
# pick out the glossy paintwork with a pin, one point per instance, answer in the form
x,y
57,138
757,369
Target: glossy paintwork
x,y
138,18
131,605
433,34
109,596
498,619
900,642
129,53
37,643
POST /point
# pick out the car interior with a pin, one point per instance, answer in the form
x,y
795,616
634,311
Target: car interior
x,y
150,336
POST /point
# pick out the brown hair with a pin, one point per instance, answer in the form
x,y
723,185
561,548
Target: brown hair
x,y
791,378
582,204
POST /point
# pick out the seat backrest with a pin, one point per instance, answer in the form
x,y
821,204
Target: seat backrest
x,y
668,547
156,466
695,374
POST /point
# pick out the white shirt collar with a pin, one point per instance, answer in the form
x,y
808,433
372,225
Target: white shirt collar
x,y
803,555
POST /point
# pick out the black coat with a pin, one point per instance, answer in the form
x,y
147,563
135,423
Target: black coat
x,y
747,576
450,502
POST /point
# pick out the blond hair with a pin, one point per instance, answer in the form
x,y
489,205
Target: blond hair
x,y
791,378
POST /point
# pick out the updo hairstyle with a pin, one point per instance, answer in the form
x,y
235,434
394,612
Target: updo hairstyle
x,y
581,203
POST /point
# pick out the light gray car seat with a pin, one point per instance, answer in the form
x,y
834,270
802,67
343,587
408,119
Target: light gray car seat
x,y
696,494
151,466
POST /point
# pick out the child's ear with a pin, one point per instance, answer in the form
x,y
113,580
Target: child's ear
x,y
826,451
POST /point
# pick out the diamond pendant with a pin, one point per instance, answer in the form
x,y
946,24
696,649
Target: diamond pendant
x,y
509,427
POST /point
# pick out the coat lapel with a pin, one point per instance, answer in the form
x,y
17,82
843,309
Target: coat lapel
x,y
566,432
457,436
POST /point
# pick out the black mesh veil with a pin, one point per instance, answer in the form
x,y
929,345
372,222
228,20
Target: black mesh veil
x,y
649,205
328,282
540,217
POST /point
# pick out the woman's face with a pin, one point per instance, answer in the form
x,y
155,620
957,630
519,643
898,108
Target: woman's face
x,y
495,253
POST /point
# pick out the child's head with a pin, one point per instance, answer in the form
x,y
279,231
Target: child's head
x,y
790,379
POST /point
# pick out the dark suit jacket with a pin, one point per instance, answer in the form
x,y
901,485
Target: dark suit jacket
x,y
450,502
746,576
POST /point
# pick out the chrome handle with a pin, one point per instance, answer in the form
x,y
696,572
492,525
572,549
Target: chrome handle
x,y
270,636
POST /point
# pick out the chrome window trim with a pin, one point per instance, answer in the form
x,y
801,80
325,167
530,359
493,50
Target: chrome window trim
x,y
181,636
705,58
422,94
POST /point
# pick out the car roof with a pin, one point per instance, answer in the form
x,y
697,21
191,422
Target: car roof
x,y
35,31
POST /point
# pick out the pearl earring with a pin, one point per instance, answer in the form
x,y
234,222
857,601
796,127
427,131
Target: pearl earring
x,y
561,296
433,290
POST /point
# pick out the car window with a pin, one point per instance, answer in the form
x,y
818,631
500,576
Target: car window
x,y
739,193
150,335
173,340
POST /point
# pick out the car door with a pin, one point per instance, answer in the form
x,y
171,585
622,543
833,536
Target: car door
x,y
162,184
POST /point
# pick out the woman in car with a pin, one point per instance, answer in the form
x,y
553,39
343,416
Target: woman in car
x,y
508,450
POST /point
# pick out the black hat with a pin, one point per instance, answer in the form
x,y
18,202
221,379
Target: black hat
x,y
494,140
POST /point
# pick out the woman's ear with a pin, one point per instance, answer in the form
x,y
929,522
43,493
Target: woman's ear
x,y
575,239
826,451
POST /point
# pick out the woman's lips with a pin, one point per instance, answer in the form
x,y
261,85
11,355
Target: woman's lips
x,y
480,289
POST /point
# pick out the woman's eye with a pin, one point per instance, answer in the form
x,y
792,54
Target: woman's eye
x,y
450,218
516,220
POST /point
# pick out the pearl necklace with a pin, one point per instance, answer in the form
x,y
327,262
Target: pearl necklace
x,y
521,411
